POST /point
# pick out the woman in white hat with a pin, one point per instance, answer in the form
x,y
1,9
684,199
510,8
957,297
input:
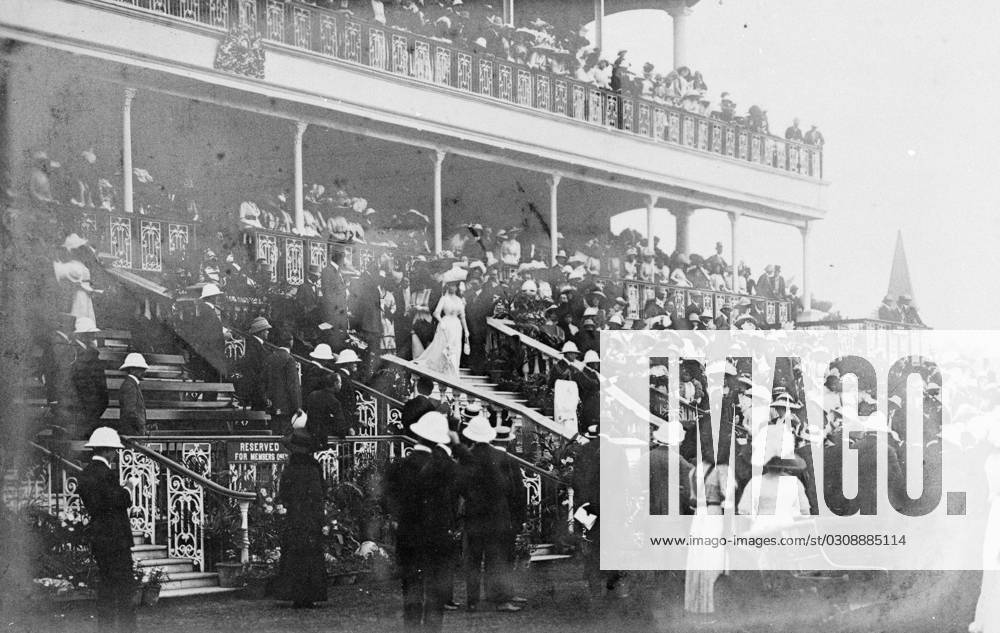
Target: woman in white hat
x,y
565,391
73,273
451,339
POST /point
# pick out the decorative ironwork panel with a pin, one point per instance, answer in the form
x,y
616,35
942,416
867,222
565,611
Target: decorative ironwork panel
x,y
88,226
185,519
633,298
782,312
611,110
246,12
442,65
301,26
485,77
197,456
743,148
400,54
505,82
267,249
561,98
688,130
352,42
394,418
660,126
533,494
236,348
579,103
645,120
769,312
378,56
294,262
706,302
367,414
816,164
542,100
150,245
70,503
524,96
464,72
328,35
178,236
628,114
422,67
243,477
218,13
755,152
329,463
139,475
674,129
716,138
730,141
275,16
768,157
781,158
595,106
317,254
189,10
702,135
364,453
793,159
121,241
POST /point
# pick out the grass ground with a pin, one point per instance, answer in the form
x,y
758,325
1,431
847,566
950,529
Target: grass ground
x,y
559,602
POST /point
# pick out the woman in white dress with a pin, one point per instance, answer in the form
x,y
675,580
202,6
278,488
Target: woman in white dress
x,y
74,275
451,338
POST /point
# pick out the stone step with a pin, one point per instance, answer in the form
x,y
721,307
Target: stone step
x,y
194,591
191,580
170,566
146,552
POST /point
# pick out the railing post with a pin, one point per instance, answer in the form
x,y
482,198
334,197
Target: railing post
x,y
244,531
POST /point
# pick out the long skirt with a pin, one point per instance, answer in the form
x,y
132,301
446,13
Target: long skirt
x,y
444,353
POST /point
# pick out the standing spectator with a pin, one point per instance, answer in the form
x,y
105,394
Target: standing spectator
x,y
888,310
387,304
251,385
325,416
602,74
814,137
313,372
347,364
765,286
284,385
207,339
487,517
334,301
698,82
73,273
89,380
794,132
479,307
423,331
422,403
518,509
301,492
307,300
131,403
109,532
565,393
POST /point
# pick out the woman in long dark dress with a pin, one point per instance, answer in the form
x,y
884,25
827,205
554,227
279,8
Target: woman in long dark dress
x,y
301,571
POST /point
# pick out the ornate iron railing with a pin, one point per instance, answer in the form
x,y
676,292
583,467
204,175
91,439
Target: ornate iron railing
x,y
290,255
142,243
338,35
636,293
858,324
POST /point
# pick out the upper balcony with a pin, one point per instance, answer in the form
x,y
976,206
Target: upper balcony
x,y
430,91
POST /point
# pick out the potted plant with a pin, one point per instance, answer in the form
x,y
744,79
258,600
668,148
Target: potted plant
x,y
152,586
258,578
231,574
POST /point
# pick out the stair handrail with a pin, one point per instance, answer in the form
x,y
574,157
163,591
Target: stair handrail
x,y
457,385
53,455
242,498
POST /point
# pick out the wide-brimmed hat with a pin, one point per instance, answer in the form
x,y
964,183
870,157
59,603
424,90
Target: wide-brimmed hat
x,y
210,290
785,400
669,433
134,360
299,441
259,324
433,427
479,430
73,241
322,352
569,347
454,275
85,325
591,357
104,437
347,356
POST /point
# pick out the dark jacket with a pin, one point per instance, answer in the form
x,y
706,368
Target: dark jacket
x,y
517,502
659,482
484,488
107,503
402,499
437,489
325,416
302,570
251,387
334,301
132,408
416,407
284,382
206,337
91,386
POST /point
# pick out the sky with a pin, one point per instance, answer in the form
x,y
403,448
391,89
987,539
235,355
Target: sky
x,y
904,92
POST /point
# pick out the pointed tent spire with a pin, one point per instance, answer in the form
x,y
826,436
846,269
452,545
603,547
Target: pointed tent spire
x,y
899,278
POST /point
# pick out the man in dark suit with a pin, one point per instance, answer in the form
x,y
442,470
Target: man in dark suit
x,y
334,301
422,494
422,403
251,386
109,532
487,517
307,300
207,339
325,415
284,385
479,307
669,434
131,403
517,506
89,381
765,286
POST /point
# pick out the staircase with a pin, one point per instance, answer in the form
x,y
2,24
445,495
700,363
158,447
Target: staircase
x,y
181,578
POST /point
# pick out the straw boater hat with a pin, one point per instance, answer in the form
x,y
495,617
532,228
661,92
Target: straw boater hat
x,y
322,352
503,434
433,427
472,410
260,324
134,360
479,430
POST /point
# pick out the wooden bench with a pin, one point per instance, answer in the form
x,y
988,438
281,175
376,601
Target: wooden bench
x,y
201,421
